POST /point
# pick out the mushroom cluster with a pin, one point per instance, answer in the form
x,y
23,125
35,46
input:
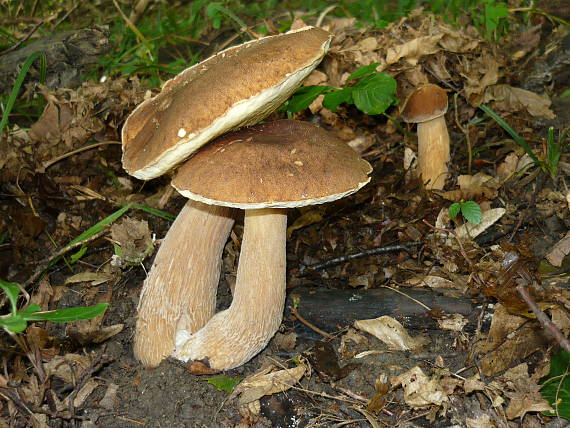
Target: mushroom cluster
x,y
263,169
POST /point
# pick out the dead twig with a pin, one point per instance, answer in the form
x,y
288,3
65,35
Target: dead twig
x,y
50,162
309,324
543,319
304,270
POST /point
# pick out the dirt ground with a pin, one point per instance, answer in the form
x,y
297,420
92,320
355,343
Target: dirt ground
x,y
474,353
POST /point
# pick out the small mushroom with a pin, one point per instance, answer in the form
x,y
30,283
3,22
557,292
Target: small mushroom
x,y
427,106
237,87
263,169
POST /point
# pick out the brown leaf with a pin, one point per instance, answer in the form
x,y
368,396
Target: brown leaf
x,y
391,332
560,250
510,99
413,50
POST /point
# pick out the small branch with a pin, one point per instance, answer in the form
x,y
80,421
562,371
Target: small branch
x,y
49,163
543,319
304,270
309,324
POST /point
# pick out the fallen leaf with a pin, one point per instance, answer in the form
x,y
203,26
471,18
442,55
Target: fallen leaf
x,y
94,278
413,50
266,383
110,398
391,332
523,393
489,217
560,250
453,322
511,99
85,392
420,390
68,367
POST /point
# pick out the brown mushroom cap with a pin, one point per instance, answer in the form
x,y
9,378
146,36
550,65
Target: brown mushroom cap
x,y
236,87
281,164
425,103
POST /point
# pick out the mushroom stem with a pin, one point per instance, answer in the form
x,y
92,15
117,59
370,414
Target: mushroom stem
x,y
235,335
180,290
433,152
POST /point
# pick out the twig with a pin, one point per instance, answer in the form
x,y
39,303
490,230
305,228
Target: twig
x,y
50,162
296,314
23,39
365,253
543,319
452,232
408,297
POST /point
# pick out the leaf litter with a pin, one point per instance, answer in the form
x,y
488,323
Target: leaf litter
x,y
488,364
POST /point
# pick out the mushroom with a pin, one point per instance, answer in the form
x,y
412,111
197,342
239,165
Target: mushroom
x,y
180,290
427,106
239,86
264,170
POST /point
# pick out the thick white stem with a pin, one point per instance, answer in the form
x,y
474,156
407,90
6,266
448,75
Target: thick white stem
x,y
180,290
433,152
233,336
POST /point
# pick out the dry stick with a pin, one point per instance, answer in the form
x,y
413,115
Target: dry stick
x,y
23,39
543,319
49,163
369,252
296,314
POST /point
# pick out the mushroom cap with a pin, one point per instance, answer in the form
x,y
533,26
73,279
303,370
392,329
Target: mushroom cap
x,y
281,164
425,103
237,87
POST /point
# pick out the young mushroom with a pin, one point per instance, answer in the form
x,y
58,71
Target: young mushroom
x,y
427,106
238,86
264,170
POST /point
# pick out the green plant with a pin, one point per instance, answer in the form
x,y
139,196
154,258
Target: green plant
x,y
371,92
556,386
8,104
17,320
554,146
470,210
223,383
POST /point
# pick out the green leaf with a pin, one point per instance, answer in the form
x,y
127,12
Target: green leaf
x,y
454,209
556,386
365,70
304,96
68,314
334,99
375,93
223,383
77,255
18,84
12,290
471,211
14,323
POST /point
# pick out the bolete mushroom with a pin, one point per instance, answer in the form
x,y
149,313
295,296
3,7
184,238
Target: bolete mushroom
x,y
427,106
239,86
263,169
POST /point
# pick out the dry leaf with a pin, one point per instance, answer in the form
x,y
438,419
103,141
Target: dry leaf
x,y
511,338
523,393
508,98
391,332
453,322
413,50
420,390
94,278
560,250
110,398
264,383
488,218
68,367
85,392
481,421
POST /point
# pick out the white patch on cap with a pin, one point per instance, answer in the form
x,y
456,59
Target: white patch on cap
x,y
181,132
